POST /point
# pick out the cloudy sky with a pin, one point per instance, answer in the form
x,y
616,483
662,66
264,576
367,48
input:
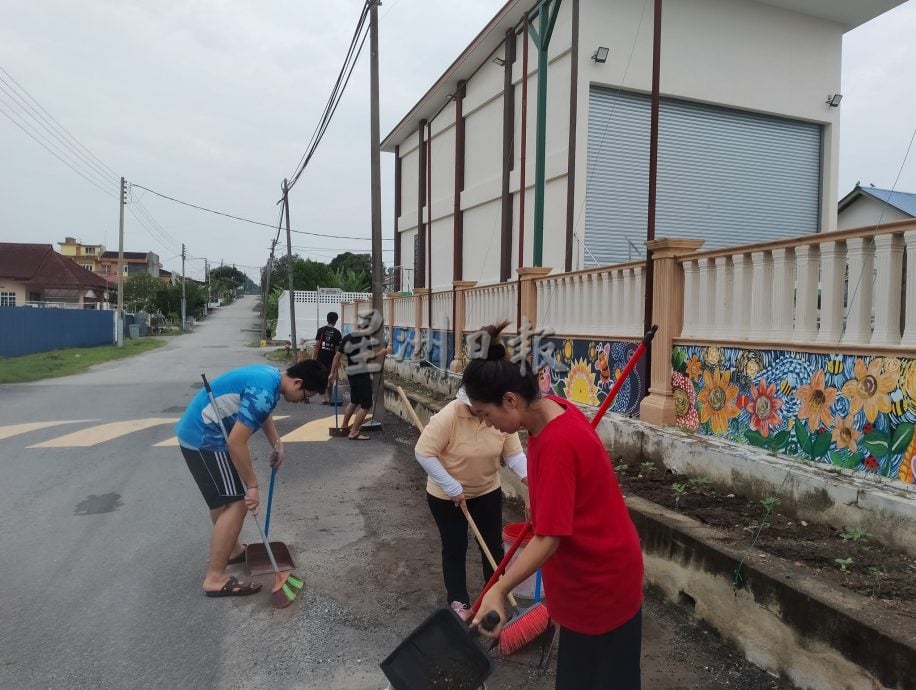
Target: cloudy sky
x,y
214,103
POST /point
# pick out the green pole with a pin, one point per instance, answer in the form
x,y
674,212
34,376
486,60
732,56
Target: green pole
x,y
541,36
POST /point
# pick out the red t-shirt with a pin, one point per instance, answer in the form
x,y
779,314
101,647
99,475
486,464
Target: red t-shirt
x,y
593,581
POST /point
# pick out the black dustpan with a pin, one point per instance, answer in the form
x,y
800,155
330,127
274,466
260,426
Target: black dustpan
x,y
441,654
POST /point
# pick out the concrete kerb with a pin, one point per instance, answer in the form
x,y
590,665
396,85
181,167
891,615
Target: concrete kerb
x,y
784,620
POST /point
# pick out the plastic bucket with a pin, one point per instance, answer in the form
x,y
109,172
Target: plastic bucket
x,y
511,533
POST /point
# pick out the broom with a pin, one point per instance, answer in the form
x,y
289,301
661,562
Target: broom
x,y
286,585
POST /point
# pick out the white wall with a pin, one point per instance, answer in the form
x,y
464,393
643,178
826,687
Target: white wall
x,y
17,288
867,211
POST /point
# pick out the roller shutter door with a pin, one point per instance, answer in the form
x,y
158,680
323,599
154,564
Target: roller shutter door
x,y
726,176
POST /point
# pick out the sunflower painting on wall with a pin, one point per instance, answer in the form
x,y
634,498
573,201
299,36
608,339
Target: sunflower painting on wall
x,y
850,411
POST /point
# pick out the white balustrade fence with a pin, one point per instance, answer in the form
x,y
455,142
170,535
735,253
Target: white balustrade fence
x,y
603,303
405,313
442,310
311,311
837,289
492,304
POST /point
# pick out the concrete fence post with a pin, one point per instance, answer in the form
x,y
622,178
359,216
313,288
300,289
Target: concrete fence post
x,y
528,291
668,314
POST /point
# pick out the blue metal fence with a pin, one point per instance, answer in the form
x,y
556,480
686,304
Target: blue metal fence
x,y
25,330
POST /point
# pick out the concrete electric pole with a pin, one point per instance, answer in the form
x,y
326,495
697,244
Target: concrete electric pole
x,y
183,294
120,317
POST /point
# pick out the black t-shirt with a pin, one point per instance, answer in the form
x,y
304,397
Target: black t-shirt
x,y
327,339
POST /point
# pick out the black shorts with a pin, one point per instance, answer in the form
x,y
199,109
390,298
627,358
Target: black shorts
x,y
361,390
216,477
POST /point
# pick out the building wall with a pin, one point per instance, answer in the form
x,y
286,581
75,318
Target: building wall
x,y
17,288
866,211
736,53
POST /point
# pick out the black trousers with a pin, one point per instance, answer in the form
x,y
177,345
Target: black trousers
x,y
609,661
487,511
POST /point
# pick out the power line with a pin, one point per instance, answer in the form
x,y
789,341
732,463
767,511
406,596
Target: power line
x,y
272,226
336,93
59,125
58,156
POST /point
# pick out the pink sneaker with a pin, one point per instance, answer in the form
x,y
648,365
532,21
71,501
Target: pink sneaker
x,y
461,609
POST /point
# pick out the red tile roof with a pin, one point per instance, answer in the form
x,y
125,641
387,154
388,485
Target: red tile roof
x,y
40,266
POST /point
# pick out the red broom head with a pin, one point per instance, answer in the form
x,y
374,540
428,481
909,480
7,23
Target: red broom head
x,y
524,629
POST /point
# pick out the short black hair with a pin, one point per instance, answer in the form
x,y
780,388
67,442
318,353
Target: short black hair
x,y
332,317
313,373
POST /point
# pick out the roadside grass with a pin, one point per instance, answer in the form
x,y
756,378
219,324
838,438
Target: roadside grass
x,y
44,365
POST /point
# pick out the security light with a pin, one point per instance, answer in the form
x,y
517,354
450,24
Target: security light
x,y
833,100
499,61
600,55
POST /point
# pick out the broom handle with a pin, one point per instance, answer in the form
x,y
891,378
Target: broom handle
x,y
270,500
410,411
498,573
484,547
637,355
219,417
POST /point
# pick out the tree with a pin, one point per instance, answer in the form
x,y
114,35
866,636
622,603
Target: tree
x,y
349,280
140,291
228,273
307,274
348,261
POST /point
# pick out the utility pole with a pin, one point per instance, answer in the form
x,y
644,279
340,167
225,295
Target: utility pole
x,y
289,256
375,161
120,317
183,295
270,268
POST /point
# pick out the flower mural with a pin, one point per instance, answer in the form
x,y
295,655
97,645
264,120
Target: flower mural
x,y
764,408
694,368
870,388
845,436
580,384
851,411
816,401
717,400
685,402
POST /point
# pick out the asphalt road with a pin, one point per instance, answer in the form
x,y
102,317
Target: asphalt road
x,y
104,542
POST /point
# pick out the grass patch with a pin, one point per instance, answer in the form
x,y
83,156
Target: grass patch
x,y
44,365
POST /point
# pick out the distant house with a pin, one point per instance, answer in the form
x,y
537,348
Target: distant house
x,y
86,255
36,275
865,206
135,263
165,276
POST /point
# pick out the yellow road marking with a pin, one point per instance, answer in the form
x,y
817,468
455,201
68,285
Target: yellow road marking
x,y
316,430
16,429
173,442
104,432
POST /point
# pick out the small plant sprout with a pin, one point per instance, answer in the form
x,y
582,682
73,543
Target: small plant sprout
x,y
699,483
855,534
769,503
843,563
621,467
679,491
647,467
754,526
877,574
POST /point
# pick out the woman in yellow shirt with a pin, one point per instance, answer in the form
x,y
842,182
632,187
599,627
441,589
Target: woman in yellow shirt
x,y
461,455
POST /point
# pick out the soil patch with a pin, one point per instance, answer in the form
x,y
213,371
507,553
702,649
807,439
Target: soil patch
x,y
847,557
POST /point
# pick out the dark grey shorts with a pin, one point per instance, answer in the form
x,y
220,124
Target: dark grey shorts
x,y
216,477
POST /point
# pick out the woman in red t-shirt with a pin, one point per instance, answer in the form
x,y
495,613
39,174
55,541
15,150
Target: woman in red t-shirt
x,y
584,541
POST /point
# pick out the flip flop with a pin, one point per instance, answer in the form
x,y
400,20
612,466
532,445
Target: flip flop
x,y
234,588
240,558
360,437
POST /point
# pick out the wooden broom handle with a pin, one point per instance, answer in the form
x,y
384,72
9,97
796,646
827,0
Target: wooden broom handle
x,y
413,415
484,547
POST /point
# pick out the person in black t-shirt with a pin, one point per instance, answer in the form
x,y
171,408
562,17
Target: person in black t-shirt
x,y
327,342
365,355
